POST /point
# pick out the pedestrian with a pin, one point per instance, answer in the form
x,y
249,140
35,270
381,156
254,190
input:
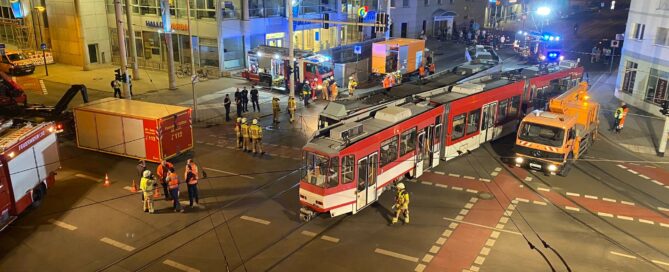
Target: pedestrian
x,y
191,175
401,204
256,137
163,172
147,184
141,167
502,39
238,94
238,131
433,68
275,110
130,85
227,103
352,84
255,98
335,91
245,135
173,182
306,91
116,84
593,54
245,99
238,105
292,106
421,72
620,116
314,86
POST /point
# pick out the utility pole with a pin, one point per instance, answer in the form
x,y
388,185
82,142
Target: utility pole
x,y
388,23
291,49
167,26
118,10
663,140
131,35
193,77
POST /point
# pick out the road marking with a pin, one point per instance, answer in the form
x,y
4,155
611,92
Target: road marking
x,y
608,199
481,226
484,179
495,234
625,217
472,191
457,188
523,200
464,212
454,175
426,182
473,268
540,203
528,178
308,233
494,174
256,220
504,219
330,239
644,176
632,171
623,255
62,224
473,199
497,169
427,258
434,249
572,194
663,209
439,173
572,208
646,221
226,172
627,203
657,182
441,185
544,189
440,241
622,166
179,266
469,205
419,268
454,225
396,255
447,233
479,260
490,242
469,177
664,225
659,262
666,186
604,214
117,244
590,197
84,176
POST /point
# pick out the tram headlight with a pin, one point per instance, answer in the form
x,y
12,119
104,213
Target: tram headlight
x,y
519,160
552,168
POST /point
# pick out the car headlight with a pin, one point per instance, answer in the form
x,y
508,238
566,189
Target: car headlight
x,y
519,160
542,57
552,168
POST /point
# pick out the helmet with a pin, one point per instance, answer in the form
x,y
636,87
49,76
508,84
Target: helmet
x,y
400,186
239,119
306,81
243,120
255,121
146,173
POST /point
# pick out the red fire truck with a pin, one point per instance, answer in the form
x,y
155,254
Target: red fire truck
x,y
28,161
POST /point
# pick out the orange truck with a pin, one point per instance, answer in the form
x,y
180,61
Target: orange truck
x,y
551,141
400,54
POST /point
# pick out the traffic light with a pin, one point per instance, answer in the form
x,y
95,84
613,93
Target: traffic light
x,y
360,22
117,74
326,18
386,22
665,107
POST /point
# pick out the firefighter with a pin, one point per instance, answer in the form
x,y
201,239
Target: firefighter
x,y
163,171
147,184
275,110
173,182
433,68
352,84
401,204
238,132
292,106
623,116
191,175
386,83
325,92
335,91
617,116
421,72
244,128
256,137
306,91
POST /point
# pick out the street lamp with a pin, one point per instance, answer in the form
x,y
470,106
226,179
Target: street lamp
x,y
40,10
544,11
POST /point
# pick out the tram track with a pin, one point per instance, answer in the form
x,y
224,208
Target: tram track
x,y
581,221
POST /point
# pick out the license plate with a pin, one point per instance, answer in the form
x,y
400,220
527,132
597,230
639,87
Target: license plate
x,y
535,165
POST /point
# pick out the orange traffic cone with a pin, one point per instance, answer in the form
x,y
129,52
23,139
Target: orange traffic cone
x,y
156,193
107,183
134,187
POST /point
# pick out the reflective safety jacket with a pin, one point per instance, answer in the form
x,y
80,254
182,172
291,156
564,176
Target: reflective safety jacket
x,y
238,129
173,181
275,105
147,185
256,132
334,90
402,199
292,105
191,175
618,113
245,130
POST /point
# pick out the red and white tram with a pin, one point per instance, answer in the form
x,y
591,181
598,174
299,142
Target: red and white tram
x,y
350,164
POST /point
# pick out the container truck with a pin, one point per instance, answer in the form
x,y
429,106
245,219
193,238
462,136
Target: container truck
x,y
401,54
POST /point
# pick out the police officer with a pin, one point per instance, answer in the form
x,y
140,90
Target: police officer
x,y
292,106
245,100
173,183
191,175
147,184
245,135
238,104
255,98
238,132
256,137
275,110
227,103
401,204
306,92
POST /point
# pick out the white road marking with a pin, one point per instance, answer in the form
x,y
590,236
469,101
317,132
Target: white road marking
x,y
473,268
632,171
454,225
495,234
499,226
434,249
504,220
117,244
544,189
622,166
479,260
464,212
572,194
664,225
604,214
644,176
330,239
459,217
494,174
428,258
590,197
540,203
490,242
528,178
426,182
441,185
469,205
523,200
447,233
623,255
472,191
646,221
497,169
657,182
84,176
468,177
419,268
572,208
666,186
308,233
396,255
457,188
481,226
226,172
440,241
256,220
62,224
608,199
179,266
454,175
439,173
627,203
625,217
659,262
484,179
663,209
473,199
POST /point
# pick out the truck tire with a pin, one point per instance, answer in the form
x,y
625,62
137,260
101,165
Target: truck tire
x,y
568,165
38,195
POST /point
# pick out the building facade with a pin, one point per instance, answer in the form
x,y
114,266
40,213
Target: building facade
x,y
644,67
410,18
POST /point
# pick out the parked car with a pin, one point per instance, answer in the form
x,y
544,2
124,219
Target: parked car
x,y
16,63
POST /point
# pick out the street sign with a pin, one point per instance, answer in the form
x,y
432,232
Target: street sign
x,y
43,46
615,44
194,79
357,49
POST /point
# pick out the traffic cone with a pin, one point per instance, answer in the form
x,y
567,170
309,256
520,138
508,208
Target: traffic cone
x,y
134,187
156,193
107,183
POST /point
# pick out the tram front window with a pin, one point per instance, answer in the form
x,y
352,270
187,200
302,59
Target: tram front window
x,y
320,170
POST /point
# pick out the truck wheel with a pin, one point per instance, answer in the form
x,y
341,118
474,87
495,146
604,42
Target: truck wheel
x,y
568,165
38,195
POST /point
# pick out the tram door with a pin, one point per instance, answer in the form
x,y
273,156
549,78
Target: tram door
x,y
367,172
419,154
427,148
488,122
436,145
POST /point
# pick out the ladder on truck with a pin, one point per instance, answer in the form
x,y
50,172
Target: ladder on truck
x,y
12,136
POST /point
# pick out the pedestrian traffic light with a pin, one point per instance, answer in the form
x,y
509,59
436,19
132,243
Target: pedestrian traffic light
x,y
326,19
360,22
665,107
117,74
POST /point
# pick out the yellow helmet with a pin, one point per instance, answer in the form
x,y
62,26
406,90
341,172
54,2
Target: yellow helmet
x,y
239,119
400,186
255,121
243,120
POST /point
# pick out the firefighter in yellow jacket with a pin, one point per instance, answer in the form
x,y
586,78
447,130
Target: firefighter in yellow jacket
x,y
238,132
401,204
244,128
292,106
352,84
275,110
256,136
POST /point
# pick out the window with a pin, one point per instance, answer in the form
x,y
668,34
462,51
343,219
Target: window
x,y
473,121
502,111
392,3
541,134
362,174
629,77
458,127
333,173
662,36
320,170
427,3
656,91
347,172
638,30
405,3
408,141
440,2
513,107
388,151
663,5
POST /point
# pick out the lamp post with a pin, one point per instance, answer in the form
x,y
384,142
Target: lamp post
x,y
40,10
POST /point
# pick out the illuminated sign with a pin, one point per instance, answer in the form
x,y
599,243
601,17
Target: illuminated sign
x,y
362,12
278,35
175,26
17,10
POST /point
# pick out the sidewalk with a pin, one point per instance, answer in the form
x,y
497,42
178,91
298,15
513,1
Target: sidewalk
x,y
642,131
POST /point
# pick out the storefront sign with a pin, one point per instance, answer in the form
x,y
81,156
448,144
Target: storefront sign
x,y
278,35
175,26
660,91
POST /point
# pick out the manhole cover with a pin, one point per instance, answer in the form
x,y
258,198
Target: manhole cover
x,y
485,196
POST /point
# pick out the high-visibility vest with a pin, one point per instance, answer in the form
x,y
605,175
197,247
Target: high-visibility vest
x,y
622,119
421,70
193,169
433,67
335,90
174,181
146,184
238,129
245,130
162,171
256,132
619,113
275,105
291,104
402,199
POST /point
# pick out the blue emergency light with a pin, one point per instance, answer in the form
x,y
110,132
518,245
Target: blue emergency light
x,y
553,55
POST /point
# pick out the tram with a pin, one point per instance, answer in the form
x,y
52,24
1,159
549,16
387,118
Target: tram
x,y
347,166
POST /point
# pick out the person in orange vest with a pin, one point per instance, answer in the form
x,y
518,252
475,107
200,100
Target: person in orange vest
x,y
433,68
163,171
191,175
173,183
622,117
335,91
421,72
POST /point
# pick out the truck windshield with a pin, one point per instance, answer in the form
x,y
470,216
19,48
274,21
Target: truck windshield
x,y
541,134
15,57
320,170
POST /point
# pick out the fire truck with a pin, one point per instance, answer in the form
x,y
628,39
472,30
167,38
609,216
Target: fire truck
x,y
28,161
538,47
268,66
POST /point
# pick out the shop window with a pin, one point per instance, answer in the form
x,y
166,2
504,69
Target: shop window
x,y
347,170
656,91
458,127
230,9
502,111
388,151
473,121
408,141
629,77
513,107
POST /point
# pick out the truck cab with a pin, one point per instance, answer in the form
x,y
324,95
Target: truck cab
x,y
16,63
